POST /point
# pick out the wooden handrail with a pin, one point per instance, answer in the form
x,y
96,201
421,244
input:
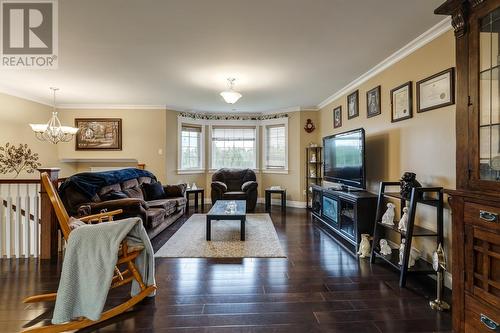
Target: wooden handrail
x,y
19,181
23,212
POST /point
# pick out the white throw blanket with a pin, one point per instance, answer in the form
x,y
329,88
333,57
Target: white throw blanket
x,y
88,267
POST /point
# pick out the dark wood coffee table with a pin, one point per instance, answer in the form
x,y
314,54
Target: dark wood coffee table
x,y
219,212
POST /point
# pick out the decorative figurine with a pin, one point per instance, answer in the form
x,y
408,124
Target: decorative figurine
x,y
194,187
313,157
388,217
364,246
313,173
401,252
414,256
309,126
385,249
407,183
439,265
403,223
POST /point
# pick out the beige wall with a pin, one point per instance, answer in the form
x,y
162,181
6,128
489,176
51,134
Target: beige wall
x,y
424,144
144,135
15,116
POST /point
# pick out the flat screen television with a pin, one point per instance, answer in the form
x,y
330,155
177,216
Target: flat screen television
x,y
344,158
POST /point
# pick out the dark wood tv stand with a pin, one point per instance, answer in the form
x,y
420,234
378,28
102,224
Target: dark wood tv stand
x,y
345,214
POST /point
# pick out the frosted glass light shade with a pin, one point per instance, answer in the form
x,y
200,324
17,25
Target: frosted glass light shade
x,y
230,96
40,128
69,130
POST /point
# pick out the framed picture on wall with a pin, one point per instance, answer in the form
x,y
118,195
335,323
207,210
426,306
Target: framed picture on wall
x,y
402,102
436,91
98,134
353,105
337,117
373,107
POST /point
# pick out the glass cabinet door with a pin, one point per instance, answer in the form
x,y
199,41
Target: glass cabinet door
x,y
489,94
331,211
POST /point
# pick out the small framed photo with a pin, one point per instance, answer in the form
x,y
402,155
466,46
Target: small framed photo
x,y
402,102
373,107
98,134
436,91
337,117
353,105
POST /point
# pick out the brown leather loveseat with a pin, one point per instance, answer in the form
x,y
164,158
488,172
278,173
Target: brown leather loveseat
x,y
136,192
235,184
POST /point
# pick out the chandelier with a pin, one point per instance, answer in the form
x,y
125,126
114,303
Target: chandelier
x,y
231,96
52,131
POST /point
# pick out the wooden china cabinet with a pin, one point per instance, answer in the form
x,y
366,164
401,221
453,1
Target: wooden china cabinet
x,y
476,201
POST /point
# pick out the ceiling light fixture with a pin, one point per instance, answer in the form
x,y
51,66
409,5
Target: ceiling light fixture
x,y
53,131
231,96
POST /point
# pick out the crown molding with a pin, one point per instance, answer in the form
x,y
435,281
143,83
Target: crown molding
x,y
113,107
18,94
428,36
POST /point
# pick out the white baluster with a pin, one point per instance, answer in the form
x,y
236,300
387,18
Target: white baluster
x,y
8,221
18,227
27,229
36,229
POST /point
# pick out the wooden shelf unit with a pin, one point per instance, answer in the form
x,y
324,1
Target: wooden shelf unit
x,y
419,195
317,166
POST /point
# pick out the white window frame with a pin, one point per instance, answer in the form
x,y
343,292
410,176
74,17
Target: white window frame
x,y
234,123
190,122
264,125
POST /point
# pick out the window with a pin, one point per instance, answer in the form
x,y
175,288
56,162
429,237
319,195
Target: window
x,y
234,147
275,150
191,155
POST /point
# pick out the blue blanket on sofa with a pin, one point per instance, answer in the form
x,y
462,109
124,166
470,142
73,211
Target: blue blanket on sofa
x,y
89,183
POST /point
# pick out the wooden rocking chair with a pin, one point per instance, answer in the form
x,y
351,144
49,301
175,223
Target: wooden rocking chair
x,y
126,256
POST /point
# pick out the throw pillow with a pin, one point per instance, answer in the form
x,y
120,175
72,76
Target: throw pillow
x,y
153,191
175,191
113,195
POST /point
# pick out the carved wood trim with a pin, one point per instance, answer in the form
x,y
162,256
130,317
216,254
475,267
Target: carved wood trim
x,y
458,22
474,3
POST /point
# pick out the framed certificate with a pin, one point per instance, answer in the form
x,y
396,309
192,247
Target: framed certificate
x,y
436,91
402,102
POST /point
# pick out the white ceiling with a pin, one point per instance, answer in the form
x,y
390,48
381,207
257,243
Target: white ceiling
x,y
283,53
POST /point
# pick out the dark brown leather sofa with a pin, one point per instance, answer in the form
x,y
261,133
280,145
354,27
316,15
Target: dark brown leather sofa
x,y
235,184
130,196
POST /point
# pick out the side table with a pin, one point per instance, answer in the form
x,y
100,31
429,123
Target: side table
x,y
270,192
196,192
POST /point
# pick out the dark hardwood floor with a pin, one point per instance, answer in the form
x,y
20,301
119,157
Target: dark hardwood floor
x,y
320,287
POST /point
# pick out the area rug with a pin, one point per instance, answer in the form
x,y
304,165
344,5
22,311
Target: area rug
x,y
190,242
